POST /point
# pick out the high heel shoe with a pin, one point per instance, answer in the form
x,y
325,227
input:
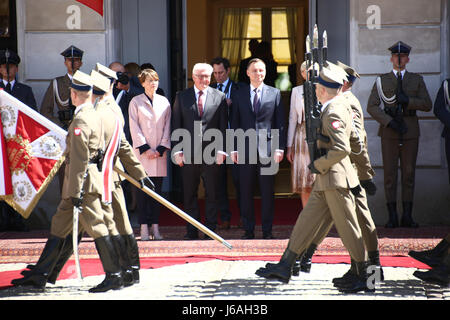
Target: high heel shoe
x,y
155,232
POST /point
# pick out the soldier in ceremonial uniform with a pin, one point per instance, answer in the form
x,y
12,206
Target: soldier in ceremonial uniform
x,y
108,111
56,105
83,188
333,190
403,93
360,159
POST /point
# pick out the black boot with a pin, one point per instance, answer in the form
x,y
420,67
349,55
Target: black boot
x,y
374,260
433,257
305,263
407,220
439,275
282,270
66,252
111,266
43,268
133,253
393,217
297,265
124,259
357,282
350,273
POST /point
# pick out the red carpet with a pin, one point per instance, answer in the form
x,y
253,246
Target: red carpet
x,y
93,267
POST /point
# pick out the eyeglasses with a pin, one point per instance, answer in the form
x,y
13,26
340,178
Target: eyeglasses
x,y
202,76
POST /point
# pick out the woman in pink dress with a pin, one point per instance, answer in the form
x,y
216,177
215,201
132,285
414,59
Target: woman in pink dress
x,y
297,149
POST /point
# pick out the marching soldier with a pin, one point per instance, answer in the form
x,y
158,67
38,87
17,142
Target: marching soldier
x,y
361,161
56,104
333,191
108,110
83,189
403,93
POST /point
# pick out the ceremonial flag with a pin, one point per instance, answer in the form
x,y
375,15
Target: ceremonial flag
x,y
96,5
5,174
34,152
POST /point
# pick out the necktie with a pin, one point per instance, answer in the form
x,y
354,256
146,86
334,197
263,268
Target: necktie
x,y
200,103
256,102
220,87
8,87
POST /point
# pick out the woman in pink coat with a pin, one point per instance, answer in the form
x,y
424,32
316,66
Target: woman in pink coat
x,y
150,130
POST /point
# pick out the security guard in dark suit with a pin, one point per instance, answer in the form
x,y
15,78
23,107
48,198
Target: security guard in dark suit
x,y
403,93
10,220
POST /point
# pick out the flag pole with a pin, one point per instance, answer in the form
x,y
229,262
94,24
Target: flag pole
x,y
174,209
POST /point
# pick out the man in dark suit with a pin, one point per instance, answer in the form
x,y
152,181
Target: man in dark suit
x,y
197,110
221,71
10,220
9,66
258,106
442,112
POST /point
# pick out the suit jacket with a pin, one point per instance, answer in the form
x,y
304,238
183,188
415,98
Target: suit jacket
x,y
50,105
23,93
185,114
229,92
419,99
124,105
270,116
336,169
150,124
442,110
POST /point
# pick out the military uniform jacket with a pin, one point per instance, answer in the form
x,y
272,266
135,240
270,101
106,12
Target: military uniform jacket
x,y
358,142
419,99
51,104
335,167
108,111
83,140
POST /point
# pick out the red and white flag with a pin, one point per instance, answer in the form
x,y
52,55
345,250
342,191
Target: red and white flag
x,y
96,5
34,148
5,174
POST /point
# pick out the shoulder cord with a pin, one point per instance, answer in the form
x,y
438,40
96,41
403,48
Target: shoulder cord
x,y
57,97
381,93
446,94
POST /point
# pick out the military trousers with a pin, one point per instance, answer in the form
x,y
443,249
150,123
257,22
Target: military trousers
x,y
407,155
92,219
337,205
118,210
368,228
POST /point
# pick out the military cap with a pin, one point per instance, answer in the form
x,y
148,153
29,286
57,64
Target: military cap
x,y
400,47
101,84
351,73
332,76
9,56
81,81
72,52
106,72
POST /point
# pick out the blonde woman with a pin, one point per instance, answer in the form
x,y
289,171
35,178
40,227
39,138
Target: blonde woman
x,y
150,115
297,150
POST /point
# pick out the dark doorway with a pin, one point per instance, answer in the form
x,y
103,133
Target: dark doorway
x,y
8,25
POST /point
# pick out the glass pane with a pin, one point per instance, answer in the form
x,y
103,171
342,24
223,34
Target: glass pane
x,y
254,24
280,49
279,24
4,18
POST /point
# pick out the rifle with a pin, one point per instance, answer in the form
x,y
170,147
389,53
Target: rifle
x,y
399,109
315,57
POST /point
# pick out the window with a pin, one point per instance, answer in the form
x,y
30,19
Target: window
x,y
276,26
4,19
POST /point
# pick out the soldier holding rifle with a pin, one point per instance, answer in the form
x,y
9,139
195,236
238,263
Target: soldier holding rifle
x,y
403,93
336,181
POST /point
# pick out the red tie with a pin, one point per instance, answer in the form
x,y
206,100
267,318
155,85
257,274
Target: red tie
x,y
200,103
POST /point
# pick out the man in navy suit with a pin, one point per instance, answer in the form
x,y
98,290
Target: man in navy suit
x,y
442,112
221,71
9,65
258,107
195,111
